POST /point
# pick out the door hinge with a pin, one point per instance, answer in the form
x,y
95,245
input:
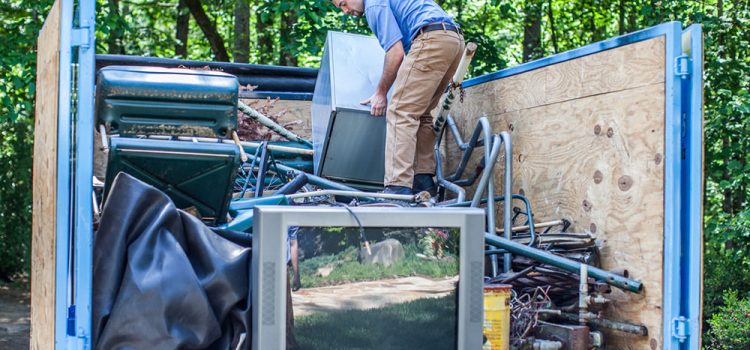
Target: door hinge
x,y
81,36
682,66
71,321
680,328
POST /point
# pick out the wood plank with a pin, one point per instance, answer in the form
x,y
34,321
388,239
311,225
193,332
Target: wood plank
x,y
292,114
44,184
589,147
626,67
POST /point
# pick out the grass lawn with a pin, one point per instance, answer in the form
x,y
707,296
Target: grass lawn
x,y
420,324
347,269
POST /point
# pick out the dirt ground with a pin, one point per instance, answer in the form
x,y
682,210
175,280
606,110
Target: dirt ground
x,y
14,315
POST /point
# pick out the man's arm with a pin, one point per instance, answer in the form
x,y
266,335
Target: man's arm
x,y
393,58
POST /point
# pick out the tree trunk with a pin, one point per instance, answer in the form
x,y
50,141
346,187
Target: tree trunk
x,y
720,7
115,34
263,26
209,30
621,21
242,31
633,18
592,21
551,18
183,28
532,30
460,11
287,56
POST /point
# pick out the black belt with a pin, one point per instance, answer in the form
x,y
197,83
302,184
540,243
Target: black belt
x,y
440,26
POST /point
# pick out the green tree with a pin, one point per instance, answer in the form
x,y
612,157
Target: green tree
x,y
19,26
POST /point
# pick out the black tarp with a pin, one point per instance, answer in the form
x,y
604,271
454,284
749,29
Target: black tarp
x,y
164,280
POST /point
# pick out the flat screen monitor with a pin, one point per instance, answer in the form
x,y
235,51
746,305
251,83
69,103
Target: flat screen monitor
x,y
369,278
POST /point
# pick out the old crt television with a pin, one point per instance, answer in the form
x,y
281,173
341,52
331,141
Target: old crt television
x,y
415,284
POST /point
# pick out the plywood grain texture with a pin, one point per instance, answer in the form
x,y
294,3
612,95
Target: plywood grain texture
x,y
588,137
44,184
292,114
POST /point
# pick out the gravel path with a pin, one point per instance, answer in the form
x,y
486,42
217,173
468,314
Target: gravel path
x,y
14,318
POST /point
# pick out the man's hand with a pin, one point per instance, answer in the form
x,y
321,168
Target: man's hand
x,y
393,57
377,104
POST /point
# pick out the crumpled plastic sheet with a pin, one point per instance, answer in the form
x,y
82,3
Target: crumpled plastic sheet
x,y
164,280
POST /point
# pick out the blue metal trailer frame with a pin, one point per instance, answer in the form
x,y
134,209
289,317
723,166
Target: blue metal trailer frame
x,y
683,173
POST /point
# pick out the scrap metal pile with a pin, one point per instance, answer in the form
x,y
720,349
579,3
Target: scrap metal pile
x,y
560,293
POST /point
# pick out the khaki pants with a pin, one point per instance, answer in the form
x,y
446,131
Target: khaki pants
x,y
421,81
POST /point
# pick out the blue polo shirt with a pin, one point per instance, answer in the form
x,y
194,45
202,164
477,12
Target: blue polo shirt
x,y
393,20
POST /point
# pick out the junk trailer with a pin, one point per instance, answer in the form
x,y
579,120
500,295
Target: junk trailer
x,y
213,205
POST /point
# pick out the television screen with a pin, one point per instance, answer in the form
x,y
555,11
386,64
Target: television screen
x,y
374,288
367,278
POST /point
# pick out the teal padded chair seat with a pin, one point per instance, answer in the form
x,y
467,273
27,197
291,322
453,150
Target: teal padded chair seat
x,y
192,174
166,101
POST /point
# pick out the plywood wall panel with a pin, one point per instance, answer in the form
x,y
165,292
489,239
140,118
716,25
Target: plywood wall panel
x,y
44,183
589,147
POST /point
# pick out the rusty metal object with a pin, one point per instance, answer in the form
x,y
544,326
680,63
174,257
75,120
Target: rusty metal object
x,y
572,337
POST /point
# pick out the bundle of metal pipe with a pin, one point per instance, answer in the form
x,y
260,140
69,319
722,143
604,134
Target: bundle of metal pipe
x,y
613,279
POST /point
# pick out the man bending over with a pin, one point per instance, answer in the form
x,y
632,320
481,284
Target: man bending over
x,y
423,48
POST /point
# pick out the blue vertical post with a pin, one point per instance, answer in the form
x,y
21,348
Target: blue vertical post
x,y
84,171
672,185
63,288
692,187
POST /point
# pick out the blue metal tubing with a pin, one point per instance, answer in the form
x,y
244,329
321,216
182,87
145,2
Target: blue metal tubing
x,y
449,183
455,133
319,181
293,186
486,180
525,200
563,263
249,173
262,164
491,147
460,192
282,154
482,128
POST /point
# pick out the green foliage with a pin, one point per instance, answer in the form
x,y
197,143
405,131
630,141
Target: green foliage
x,y
730,326
20,23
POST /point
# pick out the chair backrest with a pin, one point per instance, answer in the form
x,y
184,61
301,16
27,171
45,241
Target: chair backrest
x,y
195,175
133,100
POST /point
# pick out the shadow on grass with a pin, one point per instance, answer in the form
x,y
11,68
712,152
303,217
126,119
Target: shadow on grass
x,y
420,324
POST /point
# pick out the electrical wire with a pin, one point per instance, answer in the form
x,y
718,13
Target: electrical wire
x,y
359,223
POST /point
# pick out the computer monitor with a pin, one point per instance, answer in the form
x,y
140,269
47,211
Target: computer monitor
x,y
417,284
